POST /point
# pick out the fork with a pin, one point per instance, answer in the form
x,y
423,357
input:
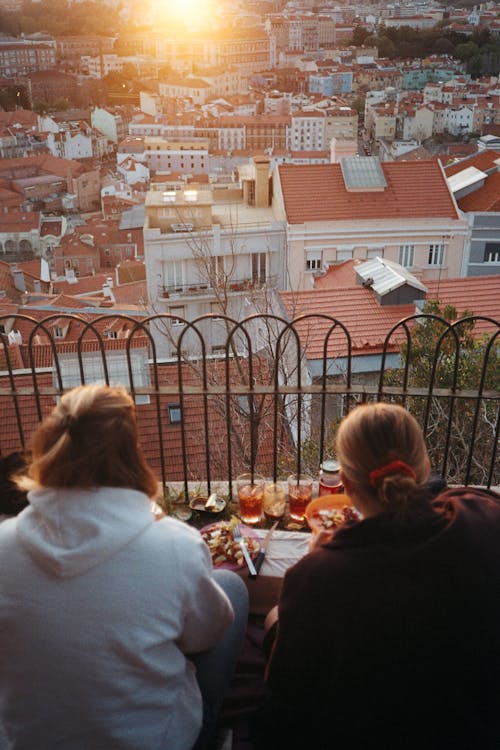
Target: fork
x,y
238,538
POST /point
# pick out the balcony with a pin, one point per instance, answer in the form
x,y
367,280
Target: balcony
x,y
205,288
271,399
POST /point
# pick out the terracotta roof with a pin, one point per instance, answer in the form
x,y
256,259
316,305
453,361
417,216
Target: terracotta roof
x,y
53,228
486,198
19,116
155,416
316,192
7,282
134,293
483,160
477,294
131,270
31,267
19,221
356,308
338,275
42,164
84,285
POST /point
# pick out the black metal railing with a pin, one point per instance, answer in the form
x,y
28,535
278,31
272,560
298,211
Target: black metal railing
x,y
271,399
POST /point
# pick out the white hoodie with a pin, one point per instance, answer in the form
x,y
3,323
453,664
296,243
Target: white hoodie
x,y
99,604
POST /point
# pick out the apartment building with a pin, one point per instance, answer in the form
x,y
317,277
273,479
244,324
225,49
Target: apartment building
x,y
71,140
112,123
19,57
361,209
307,130
341,122
19,235
256,133
207,251
185,155
101,65
336,81
247,49
75,47
49,183
475,183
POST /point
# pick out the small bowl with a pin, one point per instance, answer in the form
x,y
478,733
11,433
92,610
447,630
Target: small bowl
x,y
199,505
336,501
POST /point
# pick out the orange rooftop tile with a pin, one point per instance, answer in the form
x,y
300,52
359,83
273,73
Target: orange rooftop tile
x,y
356,308
317,192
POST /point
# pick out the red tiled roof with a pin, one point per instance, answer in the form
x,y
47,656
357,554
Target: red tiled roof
x,y
483,160
51,228
84,285
19,221
7,282
154,416
134,293
477,294
356,308
486,198
31,267
339,275
317,192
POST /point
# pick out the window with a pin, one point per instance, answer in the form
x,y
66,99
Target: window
x,y
436,253
492,252
217,274
174,413
406,255
174,274
58,332
117,367
259,268
246,404
343,255
178,314
314,260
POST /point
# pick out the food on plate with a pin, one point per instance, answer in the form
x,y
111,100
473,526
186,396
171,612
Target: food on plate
x,y
331,518
223,549
328,512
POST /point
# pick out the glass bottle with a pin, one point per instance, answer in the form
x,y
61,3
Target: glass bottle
x,y
329,478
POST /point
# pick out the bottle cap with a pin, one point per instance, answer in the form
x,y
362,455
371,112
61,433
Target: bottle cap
x,y
330,466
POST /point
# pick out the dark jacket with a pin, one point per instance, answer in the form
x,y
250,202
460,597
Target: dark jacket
x,y
389,635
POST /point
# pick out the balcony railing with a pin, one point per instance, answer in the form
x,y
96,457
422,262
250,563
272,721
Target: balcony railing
x,y
273,398
235,285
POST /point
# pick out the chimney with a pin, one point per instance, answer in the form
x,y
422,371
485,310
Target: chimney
x,y
262,187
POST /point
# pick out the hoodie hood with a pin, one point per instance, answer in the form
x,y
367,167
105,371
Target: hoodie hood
x,y
68,531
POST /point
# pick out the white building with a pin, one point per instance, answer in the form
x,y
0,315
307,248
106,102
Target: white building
x,y
307,131
361,209
207,252
100,66
71,141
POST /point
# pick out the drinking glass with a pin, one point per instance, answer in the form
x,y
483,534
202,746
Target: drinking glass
x,y
274,501
251,497
300,488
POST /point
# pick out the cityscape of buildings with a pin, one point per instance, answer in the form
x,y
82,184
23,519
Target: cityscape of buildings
x,y
267,163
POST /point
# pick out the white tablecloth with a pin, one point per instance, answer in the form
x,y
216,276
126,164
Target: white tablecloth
x,y
285,548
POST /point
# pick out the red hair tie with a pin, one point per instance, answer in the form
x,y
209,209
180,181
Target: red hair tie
x,y
395,467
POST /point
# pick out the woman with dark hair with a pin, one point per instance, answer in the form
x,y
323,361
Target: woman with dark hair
x,y
389,631
115,632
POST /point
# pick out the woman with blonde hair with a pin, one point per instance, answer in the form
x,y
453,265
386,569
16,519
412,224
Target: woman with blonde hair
x,y
389,631
115,631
